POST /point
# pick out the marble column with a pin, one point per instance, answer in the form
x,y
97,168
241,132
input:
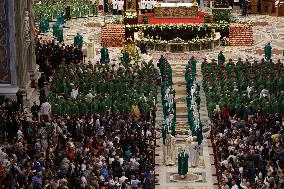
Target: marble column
x,y
17,54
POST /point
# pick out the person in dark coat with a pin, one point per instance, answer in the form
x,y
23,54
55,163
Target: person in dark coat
x,y
143,47
20,99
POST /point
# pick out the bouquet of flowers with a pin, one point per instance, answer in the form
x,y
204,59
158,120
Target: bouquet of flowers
x,y
200,41
176,40
130,15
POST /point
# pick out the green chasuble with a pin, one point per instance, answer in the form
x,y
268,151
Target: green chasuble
x,y
55,28
182,163
267,51
221,58
60,35
104,55
78,41
193,63
125,58
95,9
42,26
164,133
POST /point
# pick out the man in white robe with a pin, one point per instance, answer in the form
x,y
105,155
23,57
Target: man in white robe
x,y
142,6
74,93
89,97
45,110
114,7
120,7
169,150
264,93
249,90
189,140
194,152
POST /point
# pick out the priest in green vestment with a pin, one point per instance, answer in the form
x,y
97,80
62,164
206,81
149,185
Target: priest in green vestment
x,y
221,58
193,64
267,51
164,133
182,163
125,58
42,26
104,55
55,29
60,37
95,9
78,41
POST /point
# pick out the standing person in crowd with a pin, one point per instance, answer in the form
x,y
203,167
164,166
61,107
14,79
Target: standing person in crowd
x,y
20,99
78,41
245,7
267,51
221,58
35,110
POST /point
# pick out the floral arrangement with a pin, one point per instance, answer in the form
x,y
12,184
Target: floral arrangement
x,y
195,41
200,41
176,40
225,41
130,15
199,27
152,41
247,22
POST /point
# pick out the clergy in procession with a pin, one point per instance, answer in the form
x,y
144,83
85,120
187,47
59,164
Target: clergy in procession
x,y
267,51
182,163
60,37
169,150
78,41
194,152
55,29
104,55
165,130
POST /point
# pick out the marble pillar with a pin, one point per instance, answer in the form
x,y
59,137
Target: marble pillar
x,y
17,53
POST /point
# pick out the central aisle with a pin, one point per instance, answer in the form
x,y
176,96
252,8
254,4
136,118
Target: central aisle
x,y
201,176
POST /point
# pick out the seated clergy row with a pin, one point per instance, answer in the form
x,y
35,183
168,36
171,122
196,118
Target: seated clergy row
x,y
144,6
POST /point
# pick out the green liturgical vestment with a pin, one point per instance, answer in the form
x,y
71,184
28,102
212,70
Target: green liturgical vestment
x,y
182,163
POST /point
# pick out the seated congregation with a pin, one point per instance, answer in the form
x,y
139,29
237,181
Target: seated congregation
x,y
245,104
94,126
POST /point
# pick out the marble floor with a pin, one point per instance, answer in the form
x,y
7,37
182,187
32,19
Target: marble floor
x,y
266,29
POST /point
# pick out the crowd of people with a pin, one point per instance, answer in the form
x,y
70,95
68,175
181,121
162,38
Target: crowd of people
x,y
245,104
110,146
71,9
193,100
50,54
103,88
249,154
78,152
168,99
244,88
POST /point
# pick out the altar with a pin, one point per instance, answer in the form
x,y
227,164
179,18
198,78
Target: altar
x,y
176,10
